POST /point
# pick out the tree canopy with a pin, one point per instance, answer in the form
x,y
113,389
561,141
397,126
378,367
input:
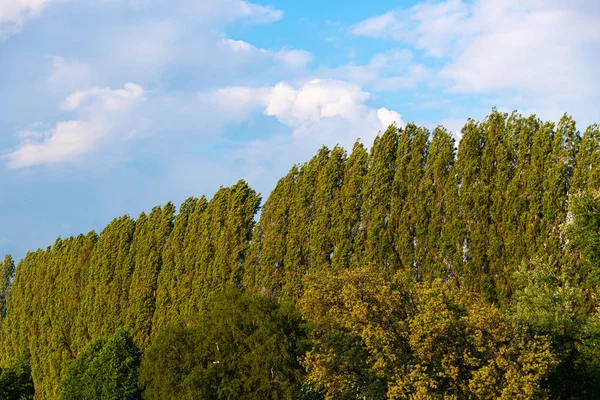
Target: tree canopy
x,y
405,265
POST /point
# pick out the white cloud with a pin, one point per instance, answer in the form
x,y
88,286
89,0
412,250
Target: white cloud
x,y
535,48
105,99
13,14
542,55
376,26
225,11
316,113
68,75
101,114
315,100
239,102
147,45
259,14
426,26
293,59
61,143
389,71
387,118
309,105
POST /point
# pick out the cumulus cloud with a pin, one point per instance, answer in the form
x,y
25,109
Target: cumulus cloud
x,y
315,100
388,117
99,111
310,104
315,113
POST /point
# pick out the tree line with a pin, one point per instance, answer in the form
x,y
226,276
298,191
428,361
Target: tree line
x,y
418,268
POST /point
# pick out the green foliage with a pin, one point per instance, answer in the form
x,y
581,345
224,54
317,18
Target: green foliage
x,y
549,303
583,231
16,382
7,272
105,370
244,346
374,338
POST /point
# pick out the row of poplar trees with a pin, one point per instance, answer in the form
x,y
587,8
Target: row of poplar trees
x,y
412,203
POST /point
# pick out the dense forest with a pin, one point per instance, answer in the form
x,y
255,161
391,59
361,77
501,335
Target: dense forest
x,y
420,268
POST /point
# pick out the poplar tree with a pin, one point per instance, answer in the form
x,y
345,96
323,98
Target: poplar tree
x,y
302,216
265,268
540,152
433,201
7,273
586,175
149,241
328,224
108,282
468,164
350,239
377,201
400,226
231,231
519,132
559,170
419,209
191,251
170,277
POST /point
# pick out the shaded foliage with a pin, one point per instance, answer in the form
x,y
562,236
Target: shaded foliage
x,y
243,346
105,370
16,382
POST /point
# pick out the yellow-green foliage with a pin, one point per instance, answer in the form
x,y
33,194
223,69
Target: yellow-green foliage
x,y
374,337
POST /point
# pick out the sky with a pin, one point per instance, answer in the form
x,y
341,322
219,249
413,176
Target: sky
x,y
111,107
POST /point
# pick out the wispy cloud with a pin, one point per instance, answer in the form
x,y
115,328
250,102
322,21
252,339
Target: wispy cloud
x,y
392,70
67,140
289,58
546,52
14,13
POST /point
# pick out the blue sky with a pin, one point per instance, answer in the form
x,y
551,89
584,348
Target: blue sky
x,y
109,107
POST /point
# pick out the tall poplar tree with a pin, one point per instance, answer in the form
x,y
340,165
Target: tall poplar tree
x,y
108,282
468,164
376,210
400,225
328,224
265,266
7,272
349,243
170,277
302,216
150,239
559,170
433,203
